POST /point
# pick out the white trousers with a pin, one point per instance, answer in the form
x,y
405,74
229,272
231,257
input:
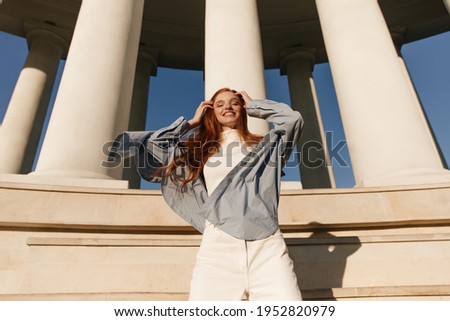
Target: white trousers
x,y
231,269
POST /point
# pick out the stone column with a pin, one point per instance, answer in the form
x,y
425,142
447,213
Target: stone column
x,y
146,66
93,101
24,119
388,141
315,166
397,38
447,5
233,51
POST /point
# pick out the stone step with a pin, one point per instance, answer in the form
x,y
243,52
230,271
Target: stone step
x,y
439,292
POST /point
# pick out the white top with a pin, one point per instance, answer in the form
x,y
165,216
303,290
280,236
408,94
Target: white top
x,y
221,163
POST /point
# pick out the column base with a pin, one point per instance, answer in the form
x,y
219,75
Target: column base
x,y
408,177
289,185
64,181
258,126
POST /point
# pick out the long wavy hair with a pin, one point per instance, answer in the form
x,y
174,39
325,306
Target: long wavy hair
x,y
204,141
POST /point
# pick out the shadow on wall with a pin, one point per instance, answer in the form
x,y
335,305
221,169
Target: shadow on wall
x,y
320,261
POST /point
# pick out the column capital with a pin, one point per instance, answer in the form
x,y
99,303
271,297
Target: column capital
x,y
44,31
150,56
447,5
398,38
306,54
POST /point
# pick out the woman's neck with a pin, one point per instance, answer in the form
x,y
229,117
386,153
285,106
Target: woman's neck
x,y
226,128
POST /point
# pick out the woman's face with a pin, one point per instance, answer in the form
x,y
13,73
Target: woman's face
x,y
227,109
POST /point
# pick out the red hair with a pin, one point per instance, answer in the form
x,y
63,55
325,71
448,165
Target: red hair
x,y
204,142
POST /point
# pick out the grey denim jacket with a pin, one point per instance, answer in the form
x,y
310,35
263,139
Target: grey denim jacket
x,y
245,203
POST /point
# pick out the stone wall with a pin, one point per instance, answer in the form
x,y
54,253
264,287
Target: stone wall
x,y
60,243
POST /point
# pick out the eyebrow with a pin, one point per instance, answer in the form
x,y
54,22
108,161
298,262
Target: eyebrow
x,y
232,99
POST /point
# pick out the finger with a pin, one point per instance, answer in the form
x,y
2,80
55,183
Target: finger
x,y
240,96
204,107
207,104
244,94
245,97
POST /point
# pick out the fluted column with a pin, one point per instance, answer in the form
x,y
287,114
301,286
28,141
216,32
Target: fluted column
x,y
315,167
388,141
145,67
24,119
93,101
233,51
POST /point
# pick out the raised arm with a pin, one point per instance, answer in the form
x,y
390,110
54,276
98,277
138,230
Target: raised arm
x,y
151,149
283,118
161,141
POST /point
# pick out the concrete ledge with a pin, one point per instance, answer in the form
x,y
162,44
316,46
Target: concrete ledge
x,y
63,181
436,292
101,242
195,242
74,243
126,296
27,206
440,292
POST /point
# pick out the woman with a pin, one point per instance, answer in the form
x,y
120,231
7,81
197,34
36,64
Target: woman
x,y
225,182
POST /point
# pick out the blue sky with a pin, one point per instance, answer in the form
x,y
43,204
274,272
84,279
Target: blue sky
x,y
178,92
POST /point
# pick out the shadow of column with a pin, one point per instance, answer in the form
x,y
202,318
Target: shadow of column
x,y
320,261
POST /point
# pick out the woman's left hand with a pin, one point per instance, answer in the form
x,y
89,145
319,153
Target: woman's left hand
x,y
245,97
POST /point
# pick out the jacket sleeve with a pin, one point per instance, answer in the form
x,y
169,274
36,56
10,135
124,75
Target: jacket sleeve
x,y
151,149
161,142
285,120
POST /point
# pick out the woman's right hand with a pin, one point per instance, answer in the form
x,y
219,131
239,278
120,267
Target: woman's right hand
x,y
244,96
200,112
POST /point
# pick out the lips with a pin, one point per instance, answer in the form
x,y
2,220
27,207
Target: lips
x,y
228,113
